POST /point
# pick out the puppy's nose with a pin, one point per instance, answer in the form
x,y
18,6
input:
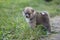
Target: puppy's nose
x,y
27,16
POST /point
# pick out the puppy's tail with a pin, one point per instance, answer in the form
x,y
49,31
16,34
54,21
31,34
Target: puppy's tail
x,y
44,13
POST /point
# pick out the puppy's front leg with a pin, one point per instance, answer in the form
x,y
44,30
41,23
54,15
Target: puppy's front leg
x,y
32,23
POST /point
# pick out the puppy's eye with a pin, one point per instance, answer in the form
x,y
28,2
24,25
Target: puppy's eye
x,y
27,13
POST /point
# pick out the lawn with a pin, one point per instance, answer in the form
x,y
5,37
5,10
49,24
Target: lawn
x,y
12,23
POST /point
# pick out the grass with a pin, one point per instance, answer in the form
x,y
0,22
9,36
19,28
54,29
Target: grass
x,y
12,23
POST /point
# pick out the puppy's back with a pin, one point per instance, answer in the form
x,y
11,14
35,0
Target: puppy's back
x,y
41,18
38,18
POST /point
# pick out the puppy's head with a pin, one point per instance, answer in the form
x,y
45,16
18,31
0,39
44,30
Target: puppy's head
x,y
28,11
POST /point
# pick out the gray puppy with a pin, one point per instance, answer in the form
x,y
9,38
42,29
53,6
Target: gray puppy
x,y
35,18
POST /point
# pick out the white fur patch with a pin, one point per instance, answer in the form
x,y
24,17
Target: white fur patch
x,y
43,13
27,19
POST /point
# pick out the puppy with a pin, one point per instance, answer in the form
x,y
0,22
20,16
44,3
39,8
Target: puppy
x,y
35,18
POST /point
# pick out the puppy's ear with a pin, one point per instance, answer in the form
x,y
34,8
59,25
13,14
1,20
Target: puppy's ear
x,y
32,10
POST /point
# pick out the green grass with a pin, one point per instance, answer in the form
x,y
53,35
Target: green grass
x,y
12,23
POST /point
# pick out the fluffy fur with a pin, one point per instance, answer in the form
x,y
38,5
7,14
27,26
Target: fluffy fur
x,y
35,18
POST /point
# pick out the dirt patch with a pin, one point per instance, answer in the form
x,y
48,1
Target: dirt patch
x,y
55,23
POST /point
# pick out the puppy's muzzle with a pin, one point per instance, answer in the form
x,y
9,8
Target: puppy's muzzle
x,y
27,15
